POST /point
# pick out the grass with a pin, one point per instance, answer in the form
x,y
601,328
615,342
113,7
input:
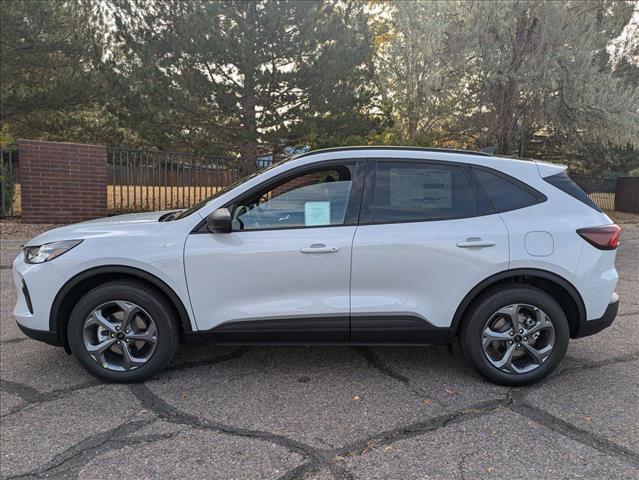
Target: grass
x,y
123,198
605,200
141,198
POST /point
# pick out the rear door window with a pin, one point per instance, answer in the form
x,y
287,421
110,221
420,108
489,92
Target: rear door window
x,y
411,191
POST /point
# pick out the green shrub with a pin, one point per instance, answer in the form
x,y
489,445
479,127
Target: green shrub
x,y
7,188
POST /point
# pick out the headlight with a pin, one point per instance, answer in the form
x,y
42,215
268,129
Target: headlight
x,y
48,251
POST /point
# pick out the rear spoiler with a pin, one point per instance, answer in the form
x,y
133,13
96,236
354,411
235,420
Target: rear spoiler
x,y
548,169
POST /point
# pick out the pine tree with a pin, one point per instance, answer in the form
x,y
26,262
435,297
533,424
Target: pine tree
x,y
49,87
234,74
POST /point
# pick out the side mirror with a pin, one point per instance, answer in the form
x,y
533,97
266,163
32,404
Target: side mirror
x,y
219,221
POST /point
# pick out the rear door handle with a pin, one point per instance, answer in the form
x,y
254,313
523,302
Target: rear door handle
x,y
319,248
475,242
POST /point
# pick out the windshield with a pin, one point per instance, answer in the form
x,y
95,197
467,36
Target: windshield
x,y
228,188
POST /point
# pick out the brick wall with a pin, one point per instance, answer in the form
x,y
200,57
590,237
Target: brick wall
x,y
62,182
627,195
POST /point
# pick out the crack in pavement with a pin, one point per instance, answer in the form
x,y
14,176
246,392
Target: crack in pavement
x,y
337,471
416,429
630,357
566,429
13,340
388,437
235,354
300,471
78,455
377,363
520,392
172,414
25,392
33,397
461,464
513,401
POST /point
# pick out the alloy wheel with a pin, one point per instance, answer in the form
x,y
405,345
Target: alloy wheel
x,y
120,336
518,338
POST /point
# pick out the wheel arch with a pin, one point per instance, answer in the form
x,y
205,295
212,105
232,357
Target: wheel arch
x,y
81,283
558,287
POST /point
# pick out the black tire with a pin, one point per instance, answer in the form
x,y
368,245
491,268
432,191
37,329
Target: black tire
x,y
148,299
482,310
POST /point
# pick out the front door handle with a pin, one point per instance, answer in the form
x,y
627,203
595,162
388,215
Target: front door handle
x,y
319,248
475,242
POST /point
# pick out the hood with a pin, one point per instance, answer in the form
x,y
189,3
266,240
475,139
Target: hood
x,y
130,224
146,217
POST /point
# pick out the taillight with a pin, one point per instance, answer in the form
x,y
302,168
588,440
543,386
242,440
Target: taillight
x,y
604,238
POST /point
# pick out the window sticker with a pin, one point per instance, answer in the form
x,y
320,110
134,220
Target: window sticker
x,y
414,187
317,213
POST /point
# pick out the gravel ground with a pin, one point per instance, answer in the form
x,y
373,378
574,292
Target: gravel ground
x,y
15,230
322,413
624,218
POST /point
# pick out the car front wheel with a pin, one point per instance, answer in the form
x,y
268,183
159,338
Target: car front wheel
x,y
515,335
123,332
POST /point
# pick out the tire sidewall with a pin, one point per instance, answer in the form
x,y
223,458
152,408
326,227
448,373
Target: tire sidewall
x,y
146,298
473,333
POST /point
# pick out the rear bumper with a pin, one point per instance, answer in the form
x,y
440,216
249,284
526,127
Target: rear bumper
x,y
590,327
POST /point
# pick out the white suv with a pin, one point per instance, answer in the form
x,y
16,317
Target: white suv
x,y
350,246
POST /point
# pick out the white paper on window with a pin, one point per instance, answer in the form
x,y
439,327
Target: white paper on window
x,y
317,213
417,187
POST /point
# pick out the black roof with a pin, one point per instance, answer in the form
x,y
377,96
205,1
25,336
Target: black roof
x,y
384,147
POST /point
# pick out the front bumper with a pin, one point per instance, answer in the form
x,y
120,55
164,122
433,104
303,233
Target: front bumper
x,y
41,335
590,327
35,287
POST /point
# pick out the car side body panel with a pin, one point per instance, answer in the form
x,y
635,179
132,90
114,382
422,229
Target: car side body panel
x,y
263,275
590,270
156,248
418,269
382,284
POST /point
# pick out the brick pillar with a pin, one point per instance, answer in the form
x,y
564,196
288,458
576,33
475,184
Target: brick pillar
x,y
627,195
62,182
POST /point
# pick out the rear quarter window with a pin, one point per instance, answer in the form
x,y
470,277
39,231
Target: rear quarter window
x,y
506,193
563,182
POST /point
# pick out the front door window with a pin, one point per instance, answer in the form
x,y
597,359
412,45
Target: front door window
x,y
311,199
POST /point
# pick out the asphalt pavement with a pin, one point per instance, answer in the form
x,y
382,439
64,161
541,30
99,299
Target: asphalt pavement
x,y
322,413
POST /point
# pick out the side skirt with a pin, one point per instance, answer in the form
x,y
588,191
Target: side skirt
x,y
387,330
396,329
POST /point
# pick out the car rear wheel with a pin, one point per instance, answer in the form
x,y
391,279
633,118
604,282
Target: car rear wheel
x,y
515,335
123,332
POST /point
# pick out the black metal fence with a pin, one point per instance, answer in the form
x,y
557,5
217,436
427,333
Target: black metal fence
x,y
9,181
140,180
600,189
